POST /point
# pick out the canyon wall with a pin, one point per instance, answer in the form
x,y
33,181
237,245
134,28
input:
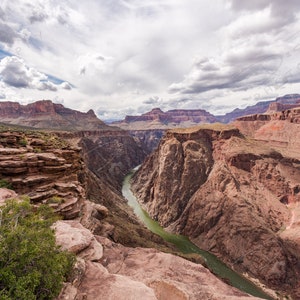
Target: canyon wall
x,y
231,195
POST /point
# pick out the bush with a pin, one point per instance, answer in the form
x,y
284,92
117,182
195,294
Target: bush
x,y
32,266
23,142
5,184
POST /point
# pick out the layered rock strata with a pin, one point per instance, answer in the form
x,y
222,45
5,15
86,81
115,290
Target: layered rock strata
x,y
44,168
280,130
157,119
230,195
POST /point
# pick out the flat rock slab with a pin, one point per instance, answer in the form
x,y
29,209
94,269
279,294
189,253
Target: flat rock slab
x,y
6,194
72,236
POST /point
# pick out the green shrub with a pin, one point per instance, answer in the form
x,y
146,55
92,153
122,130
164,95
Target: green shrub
x,y
23,142
5,184
55,200
32,266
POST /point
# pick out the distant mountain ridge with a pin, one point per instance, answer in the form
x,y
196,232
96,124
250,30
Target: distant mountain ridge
x,y
280,103
45,114
49,115
157,119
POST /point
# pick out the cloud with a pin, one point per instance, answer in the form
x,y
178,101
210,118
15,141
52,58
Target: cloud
x,y
241,70
259,49
263,16
154,100
7,34
249,5
38,13
278,8
15,73
66,85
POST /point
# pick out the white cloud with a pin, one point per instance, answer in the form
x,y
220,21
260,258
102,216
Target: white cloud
x,y
66,85
114,55
16,74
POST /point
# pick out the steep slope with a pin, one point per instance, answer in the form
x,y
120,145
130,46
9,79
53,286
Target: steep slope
x,y
147,139
227,193
48,115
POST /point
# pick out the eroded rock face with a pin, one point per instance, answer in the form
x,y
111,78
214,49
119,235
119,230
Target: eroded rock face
x,y
148,139
111,157
168,275
43,167
229,195
75,238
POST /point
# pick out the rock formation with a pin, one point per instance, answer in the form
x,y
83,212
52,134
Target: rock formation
x,y
107,270
157,119
232,195
43,167
46,114
278,129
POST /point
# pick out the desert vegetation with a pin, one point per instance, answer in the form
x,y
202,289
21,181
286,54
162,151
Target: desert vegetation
x,y
32,266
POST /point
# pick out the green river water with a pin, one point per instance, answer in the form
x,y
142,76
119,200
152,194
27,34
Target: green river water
x,y
184,245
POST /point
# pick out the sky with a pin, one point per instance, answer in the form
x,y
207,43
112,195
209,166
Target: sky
x,y
125,57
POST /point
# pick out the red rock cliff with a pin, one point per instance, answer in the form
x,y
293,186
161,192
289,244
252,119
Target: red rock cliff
x,y
229,194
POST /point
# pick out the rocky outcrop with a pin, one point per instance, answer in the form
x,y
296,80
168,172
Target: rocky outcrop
x,y
48,115
54,170
43,167
229,194
106,270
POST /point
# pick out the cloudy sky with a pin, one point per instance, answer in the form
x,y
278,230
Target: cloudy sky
x,y
123,57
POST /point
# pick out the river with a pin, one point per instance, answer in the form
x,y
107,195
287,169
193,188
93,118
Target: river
x,y
184,245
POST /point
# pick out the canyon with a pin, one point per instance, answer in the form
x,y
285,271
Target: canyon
x,y
232,189
79,174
